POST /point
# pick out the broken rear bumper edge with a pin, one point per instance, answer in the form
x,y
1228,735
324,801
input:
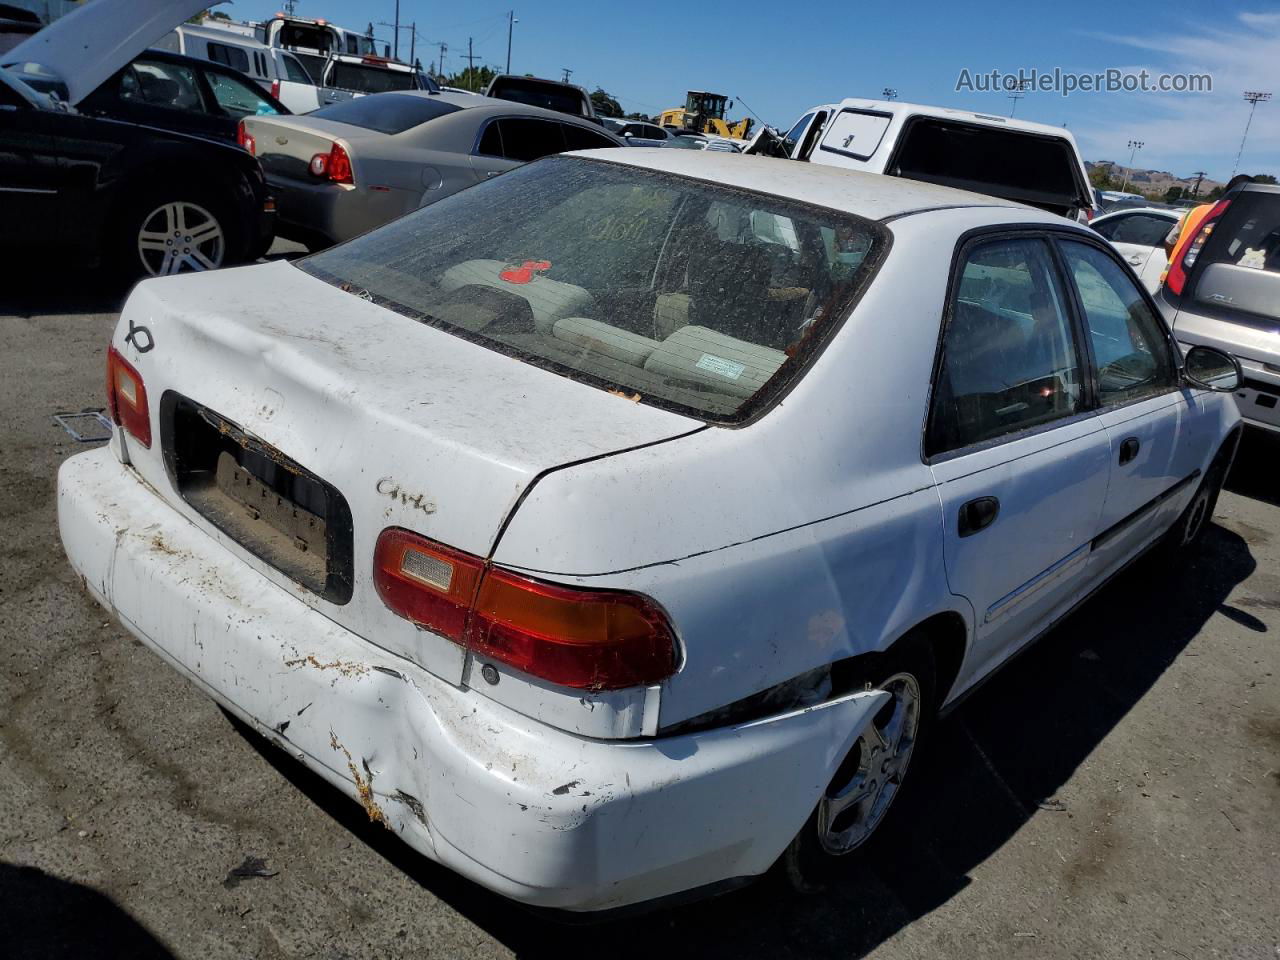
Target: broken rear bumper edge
x,y
536,814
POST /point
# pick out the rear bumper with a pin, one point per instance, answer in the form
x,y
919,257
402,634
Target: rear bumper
x,y
525,810
321,214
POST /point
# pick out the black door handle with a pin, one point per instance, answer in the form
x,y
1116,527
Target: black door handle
x,y
1129,449
978,515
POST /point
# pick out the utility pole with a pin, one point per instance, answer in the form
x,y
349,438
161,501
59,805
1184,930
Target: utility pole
x,y
1253,98
444,48
1134,147
471,67
1199,175
889,93
511,22
567,73
413,41
395,39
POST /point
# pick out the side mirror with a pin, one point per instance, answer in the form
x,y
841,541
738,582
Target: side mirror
x,y
1210,369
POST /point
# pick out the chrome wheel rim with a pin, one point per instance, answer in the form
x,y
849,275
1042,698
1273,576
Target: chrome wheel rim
x,y
871,776
180,237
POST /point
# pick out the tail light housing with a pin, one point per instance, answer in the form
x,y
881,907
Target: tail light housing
x,y
1184,257
275,88
245,139
334,165
585,639
127,398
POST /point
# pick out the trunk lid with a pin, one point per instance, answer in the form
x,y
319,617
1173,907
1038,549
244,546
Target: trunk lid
x,y
285,145
396,423
95,40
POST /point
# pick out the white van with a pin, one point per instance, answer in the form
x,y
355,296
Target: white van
x,y
274,69
1030,163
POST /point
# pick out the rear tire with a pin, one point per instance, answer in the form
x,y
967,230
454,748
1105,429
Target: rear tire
x,y
175,229
861,804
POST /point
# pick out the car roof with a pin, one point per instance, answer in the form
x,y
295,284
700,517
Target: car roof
x,y
478,101
871,195
895,107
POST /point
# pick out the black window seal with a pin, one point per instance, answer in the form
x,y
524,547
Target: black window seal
x,y
865,113
966,241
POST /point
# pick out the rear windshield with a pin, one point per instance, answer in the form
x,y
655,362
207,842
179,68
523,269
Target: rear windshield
x,y
363,78
1239,268
549,96
388,114
662,289
1025,167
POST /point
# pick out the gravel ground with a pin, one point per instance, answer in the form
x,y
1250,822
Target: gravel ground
x,y
1115,792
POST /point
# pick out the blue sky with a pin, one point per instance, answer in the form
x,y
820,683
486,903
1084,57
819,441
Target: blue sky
x,y
781,57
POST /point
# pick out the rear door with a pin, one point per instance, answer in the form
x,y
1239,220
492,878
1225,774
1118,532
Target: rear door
x,y
1020,460
507,142
1159,433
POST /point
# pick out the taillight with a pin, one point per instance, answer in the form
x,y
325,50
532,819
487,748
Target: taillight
x,y
1184,257
245,139
587,639
334,165
275,88
426,582
127,397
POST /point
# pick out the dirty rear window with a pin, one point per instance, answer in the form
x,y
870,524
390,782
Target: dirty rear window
x,y
388,113
667,290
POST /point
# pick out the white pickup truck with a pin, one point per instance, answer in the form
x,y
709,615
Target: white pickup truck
x,y
1031,163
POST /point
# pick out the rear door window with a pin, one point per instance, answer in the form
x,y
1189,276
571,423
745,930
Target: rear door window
x,y
1140,229
580,138
1239,268
527,138
1130,349
238,98
1009,357
229,56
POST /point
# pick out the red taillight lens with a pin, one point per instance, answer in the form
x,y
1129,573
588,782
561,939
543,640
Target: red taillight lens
x,y
588,639
245,139
426,582
127,397
1184,257
592,639
335,165
275,89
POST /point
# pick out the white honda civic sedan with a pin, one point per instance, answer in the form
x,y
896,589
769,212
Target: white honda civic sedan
x,y
615,529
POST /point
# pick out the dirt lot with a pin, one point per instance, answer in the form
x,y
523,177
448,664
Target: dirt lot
x,y
1113,793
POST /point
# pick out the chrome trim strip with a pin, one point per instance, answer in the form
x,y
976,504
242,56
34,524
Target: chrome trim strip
x,y
1010,601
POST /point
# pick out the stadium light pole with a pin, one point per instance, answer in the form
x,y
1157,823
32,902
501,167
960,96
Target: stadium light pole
x,y
1253,98
889,93
1134,147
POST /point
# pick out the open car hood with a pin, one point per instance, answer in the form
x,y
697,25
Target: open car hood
x,y
95,40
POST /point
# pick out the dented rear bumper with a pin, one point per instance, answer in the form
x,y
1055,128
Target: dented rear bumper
x,y
534,813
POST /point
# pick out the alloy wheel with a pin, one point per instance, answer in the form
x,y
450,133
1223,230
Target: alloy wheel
x,y
865,785
179,237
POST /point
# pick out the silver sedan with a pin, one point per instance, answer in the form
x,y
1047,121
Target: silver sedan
x,y
353,166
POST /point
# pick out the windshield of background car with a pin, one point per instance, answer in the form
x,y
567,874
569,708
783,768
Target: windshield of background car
x,y
1239,268
386,114
666,290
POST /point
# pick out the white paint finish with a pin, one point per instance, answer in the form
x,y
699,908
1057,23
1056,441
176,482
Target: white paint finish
x,y
538,815
1148,262
416,427
96,39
